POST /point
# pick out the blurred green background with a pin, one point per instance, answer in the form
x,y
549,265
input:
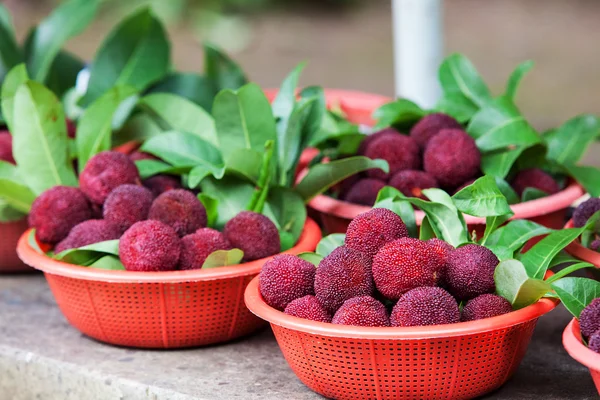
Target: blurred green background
x,y
348,43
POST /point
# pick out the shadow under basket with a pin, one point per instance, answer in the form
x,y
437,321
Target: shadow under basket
x,y
10,232
455,361
580,352
157,310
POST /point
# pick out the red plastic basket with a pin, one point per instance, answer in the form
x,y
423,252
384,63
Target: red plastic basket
x,y
580,352
455,361
10,232
156,309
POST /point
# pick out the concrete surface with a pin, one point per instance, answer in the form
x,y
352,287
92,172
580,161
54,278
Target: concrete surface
x,y
42,357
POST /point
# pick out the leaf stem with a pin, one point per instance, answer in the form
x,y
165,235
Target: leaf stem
x,y
257,201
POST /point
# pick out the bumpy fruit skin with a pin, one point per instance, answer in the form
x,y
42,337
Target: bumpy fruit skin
x,y
104,172
595,245
150,246
585,210
485,306
88,232
401,152
372,137
594,342
126,205
431,125
452,158
443,250
534,178
308,307
362,311
425,306
343,274
6,153
56,211
470,271
364,191
411,183
405,264
140,155
369,231
255,234
179,209
589,319
285,278
196,247
159,184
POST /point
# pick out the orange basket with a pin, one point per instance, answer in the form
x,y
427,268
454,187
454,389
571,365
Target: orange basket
x,y
580,352
10,232
166,310
455,361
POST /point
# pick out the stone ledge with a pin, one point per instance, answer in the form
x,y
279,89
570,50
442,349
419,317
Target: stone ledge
x,y
43,357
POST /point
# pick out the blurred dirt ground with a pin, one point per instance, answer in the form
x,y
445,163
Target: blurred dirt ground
x,y
352,48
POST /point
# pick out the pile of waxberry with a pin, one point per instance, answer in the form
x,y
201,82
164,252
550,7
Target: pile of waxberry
x,y
438,153
382,277
161,226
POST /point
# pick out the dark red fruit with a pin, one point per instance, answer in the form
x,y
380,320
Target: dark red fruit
x,y
254,234
485,306
452,158
364,191
159,184
584,211
443,250
343,274
285,278
88,232
373,136
401,152
150,246
589,319
425,306
140,155
470,271
534,178
126,205
411,183
369,231
405,264
196,247
71,129
362,311
308,307
430,125
105,172
594,342
56,211
179,209
6,153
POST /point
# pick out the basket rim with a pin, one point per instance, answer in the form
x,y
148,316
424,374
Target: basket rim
x,y
261,309
576,349
575,248
311,234
529,209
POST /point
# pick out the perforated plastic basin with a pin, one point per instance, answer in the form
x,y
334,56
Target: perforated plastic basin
x,y
580,352
156,309
456,361
9,236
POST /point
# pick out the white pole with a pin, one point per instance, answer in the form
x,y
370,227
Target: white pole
x,y
418,47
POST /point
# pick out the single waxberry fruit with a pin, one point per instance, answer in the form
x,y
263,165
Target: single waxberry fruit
x,y
196,247
369,231
485,306
285,278
401,152
364,192
411,183
88,232
159,184
179,209
126,205
430,125
150,246
470,271
105,172
255,234
534,178
589,319
308,307
425,306
362,311
585,210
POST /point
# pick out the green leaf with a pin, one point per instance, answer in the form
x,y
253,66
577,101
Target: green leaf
x,y
89,254
181,115
194,87
135,53
537,259
318,111
231,194
482,198
13,81
221,71
458,77
138,128
8,213
247,163
33,242
184,150
588,177
400,113
569,270
223,258
289,211
576,293
16,195
516,77
66,21
148,168
516,233
211,206
40,139
387,198
513,283
507,191
285,101
311,257
531,193
197,174
110,263
457,106
10,55
499,162
322,176
243,119
63,73
426,231
500,125
95,126
329,243
492,223
569,142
